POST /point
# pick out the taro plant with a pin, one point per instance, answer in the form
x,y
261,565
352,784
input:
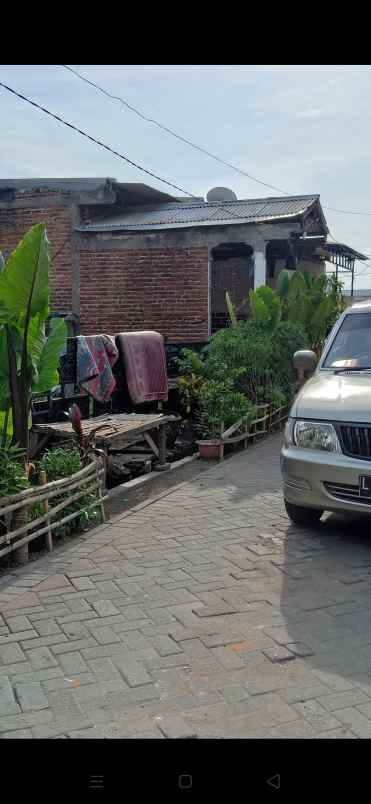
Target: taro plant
x,y
28,357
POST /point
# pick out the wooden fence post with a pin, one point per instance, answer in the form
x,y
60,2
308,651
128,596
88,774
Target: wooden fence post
x,y
48,536
20,519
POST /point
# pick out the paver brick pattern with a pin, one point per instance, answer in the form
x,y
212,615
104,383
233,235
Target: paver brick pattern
x,y
204,613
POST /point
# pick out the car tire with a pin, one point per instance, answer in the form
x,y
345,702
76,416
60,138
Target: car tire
x,y
302,516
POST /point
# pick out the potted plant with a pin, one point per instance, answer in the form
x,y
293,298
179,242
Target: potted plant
x,y
220,407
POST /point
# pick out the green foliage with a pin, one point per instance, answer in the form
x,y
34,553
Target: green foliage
x,y
265,307
190,362
190,380
289,337
28,359
313,302
220,407
231,311
60,463
13,477
238,350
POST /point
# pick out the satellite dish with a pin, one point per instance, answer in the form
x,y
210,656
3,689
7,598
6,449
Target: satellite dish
x,y
221,194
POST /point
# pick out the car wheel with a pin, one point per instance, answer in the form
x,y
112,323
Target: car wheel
x,y
302,516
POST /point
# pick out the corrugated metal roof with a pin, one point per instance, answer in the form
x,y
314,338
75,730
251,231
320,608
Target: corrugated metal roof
x,y
184,215
344,250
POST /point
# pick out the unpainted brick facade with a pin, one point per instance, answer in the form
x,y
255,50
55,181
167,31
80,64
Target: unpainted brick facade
x,y
15,222
165,289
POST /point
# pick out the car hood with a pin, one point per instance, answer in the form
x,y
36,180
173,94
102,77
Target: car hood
x,y
335,397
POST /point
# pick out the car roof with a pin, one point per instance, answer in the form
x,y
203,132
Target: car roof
x,y
359,307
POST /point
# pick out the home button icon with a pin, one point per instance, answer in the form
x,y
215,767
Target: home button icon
x,y
185,781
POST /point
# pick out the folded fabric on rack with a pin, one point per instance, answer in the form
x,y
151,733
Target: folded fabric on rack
x,y
144,359
96,354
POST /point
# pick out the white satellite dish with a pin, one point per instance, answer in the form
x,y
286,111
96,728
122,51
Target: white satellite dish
x,y
221,194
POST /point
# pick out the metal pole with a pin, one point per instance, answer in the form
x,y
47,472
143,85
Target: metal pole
x,y
352,286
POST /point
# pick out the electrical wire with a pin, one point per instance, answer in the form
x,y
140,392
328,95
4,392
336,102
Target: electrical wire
x,y
93,139
173,133
193,144
134,164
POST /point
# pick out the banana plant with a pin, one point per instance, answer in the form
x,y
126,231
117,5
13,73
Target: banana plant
x,y
265,307
29,357
315,302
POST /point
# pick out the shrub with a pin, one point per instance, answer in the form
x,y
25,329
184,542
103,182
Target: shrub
x,y
288,338
220,407
240,350
191,376
59,463
13,477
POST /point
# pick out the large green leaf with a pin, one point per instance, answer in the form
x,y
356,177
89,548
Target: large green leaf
x,y
283,284
6,433
298,285
319,319
298,311
47,367
258,309
231,311
24,282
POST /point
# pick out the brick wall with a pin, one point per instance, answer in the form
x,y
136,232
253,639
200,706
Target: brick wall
x,y
14,223
163,289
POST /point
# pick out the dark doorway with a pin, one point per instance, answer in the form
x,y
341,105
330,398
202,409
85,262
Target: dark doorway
x,y
232,271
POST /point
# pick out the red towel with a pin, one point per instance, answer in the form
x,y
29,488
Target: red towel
x,y
145,365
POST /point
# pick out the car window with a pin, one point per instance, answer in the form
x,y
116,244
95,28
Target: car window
x,y
352,345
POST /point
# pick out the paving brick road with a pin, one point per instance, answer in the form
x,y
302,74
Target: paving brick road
x,y
203,614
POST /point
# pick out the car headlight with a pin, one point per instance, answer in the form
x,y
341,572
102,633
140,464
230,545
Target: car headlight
x,y
312,435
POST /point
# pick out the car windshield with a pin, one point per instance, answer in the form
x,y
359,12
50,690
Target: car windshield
x,y
352,345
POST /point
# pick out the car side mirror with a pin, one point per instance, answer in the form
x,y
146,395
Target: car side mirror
x,y
305,363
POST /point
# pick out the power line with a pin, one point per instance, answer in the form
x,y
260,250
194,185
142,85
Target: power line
x,y
97,142
193,144
126,159
173,133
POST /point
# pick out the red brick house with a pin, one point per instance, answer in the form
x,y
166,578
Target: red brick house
x,y
127,256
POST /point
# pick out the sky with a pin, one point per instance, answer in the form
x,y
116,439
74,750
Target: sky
x,y
304,129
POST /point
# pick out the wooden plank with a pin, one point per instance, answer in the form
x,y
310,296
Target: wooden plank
x,y
124,427
152,444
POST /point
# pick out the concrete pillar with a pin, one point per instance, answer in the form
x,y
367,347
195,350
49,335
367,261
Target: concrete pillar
x,y
260,267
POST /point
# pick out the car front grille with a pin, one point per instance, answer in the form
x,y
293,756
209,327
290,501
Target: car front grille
x,y
356,440
347,493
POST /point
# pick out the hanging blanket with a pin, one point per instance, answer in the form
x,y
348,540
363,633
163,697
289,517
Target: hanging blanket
x,y
145,365
96,354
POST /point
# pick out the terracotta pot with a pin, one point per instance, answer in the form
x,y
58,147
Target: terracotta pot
x,y
210,449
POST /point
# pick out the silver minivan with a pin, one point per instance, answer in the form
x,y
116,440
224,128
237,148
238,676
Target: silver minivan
x,y
326,456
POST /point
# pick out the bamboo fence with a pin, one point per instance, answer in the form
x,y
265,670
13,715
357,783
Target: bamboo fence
x,y
267,420
54,497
